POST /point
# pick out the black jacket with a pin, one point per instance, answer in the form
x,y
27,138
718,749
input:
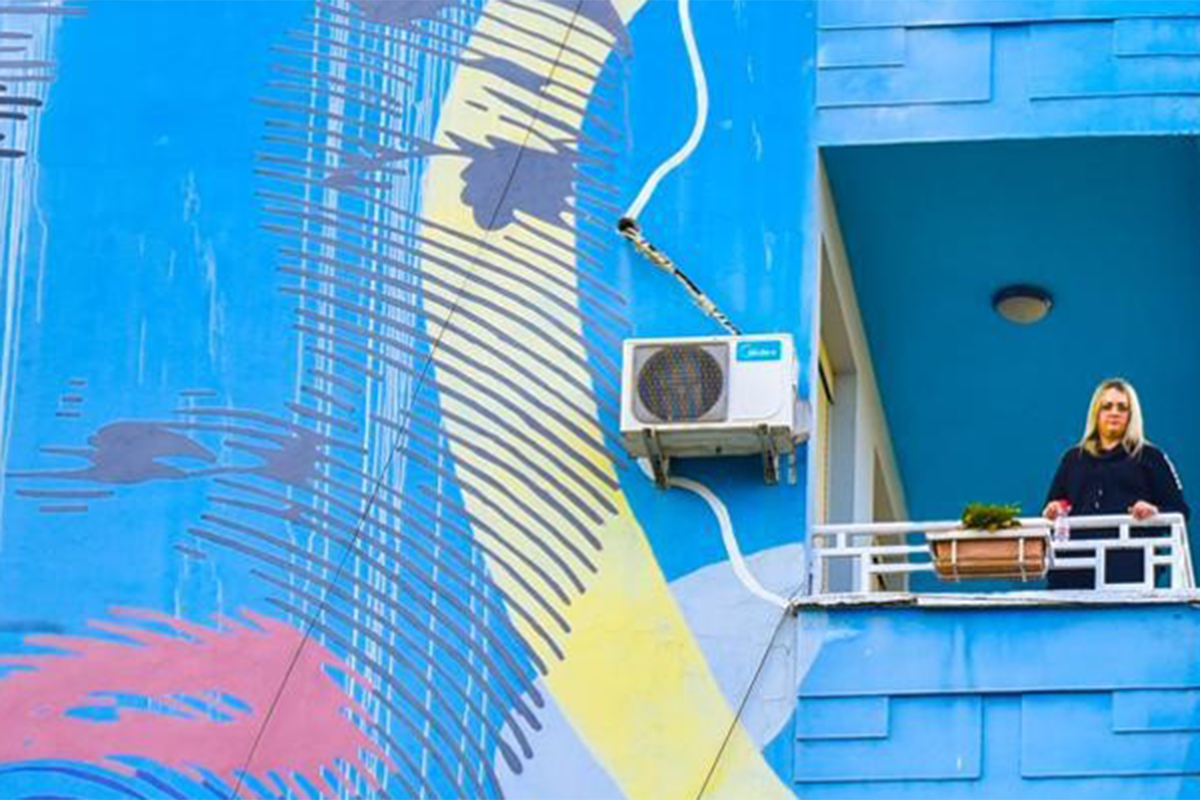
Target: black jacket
x,y
1113,481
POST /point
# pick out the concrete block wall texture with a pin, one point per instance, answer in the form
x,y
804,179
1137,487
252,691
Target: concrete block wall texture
x,y
908,72
1000,703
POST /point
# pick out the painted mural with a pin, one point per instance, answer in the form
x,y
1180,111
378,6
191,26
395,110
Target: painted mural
x,y
308,392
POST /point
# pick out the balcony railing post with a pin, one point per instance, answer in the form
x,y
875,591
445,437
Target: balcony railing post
x,y
1181,566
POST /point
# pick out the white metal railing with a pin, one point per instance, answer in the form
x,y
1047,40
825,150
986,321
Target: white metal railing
x,y
878,549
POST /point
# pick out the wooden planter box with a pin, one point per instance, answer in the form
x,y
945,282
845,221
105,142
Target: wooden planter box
x,y
976,555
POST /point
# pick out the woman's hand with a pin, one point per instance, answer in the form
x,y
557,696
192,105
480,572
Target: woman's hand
x,y
1143,510
1055,509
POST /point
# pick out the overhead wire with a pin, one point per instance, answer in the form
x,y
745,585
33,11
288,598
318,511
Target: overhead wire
x,y
789,611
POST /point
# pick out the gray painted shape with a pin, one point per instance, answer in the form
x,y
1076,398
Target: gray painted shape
x,y
401,13
504,178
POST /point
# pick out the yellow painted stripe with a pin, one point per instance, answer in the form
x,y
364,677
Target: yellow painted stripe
x,y
634,683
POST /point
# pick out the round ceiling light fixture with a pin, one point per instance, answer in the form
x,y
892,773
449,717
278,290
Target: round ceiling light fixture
x,y
1022,303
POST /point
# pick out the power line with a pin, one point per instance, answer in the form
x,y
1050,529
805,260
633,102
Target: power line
x,y
737,717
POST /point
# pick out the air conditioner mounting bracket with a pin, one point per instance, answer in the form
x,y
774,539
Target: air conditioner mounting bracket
x,y
660,463
770,456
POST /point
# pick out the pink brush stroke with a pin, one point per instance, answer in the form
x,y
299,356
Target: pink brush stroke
x,y
310,728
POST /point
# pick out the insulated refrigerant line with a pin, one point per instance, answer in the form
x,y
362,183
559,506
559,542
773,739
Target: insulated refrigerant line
x,y
682,154
736,560
629,229
628,226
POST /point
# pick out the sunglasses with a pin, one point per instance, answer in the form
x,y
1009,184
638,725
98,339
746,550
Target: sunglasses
x,y
1122,408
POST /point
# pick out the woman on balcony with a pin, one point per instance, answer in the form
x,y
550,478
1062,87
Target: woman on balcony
x,y
1113,470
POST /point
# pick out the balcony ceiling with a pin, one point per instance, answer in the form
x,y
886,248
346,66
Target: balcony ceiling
x,y
979,408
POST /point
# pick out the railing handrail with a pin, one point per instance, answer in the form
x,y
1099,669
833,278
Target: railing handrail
x,y
1075,522
874,547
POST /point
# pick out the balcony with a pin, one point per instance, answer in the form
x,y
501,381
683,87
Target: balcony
x,y
1015,693
879,558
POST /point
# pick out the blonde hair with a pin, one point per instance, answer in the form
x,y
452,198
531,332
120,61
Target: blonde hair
x,y
1135,435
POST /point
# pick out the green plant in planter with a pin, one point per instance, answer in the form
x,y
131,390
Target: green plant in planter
x,y
985,517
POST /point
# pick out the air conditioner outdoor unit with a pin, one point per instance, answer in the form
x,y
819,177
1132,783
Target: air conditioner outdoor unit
x,y
711,396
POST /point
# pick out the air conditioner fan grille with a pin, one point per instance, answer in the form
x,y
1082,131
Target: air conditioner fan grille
x,y
680,383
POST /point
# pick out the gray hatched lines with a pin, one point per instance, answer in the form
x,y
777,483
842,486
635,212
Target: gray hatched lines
x,y
430,651
426,532
351,229
296,513
487,498
461,647
329,300
335,243
474,626
533,326
511,681
329,566
239,544
609,302
487,63
546,496
410,35
24,62
498,412
436,297
492,330
551,479
480,525
428,10
556,488
353,333
366,69
388,76
530,366
497,269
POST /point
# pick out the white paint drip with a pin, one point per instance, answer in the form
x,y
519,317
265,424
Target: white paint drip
x,y
141,355
206,257
683,153
736,560
43,243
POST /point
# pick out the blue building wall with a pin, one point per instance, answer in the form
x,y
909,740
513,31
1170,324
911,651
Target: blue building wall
x,y
308,381
1000,703
945,71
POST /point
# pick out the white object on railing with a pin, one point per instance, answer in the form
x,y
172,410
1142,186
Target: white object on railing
x,y
1170,549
